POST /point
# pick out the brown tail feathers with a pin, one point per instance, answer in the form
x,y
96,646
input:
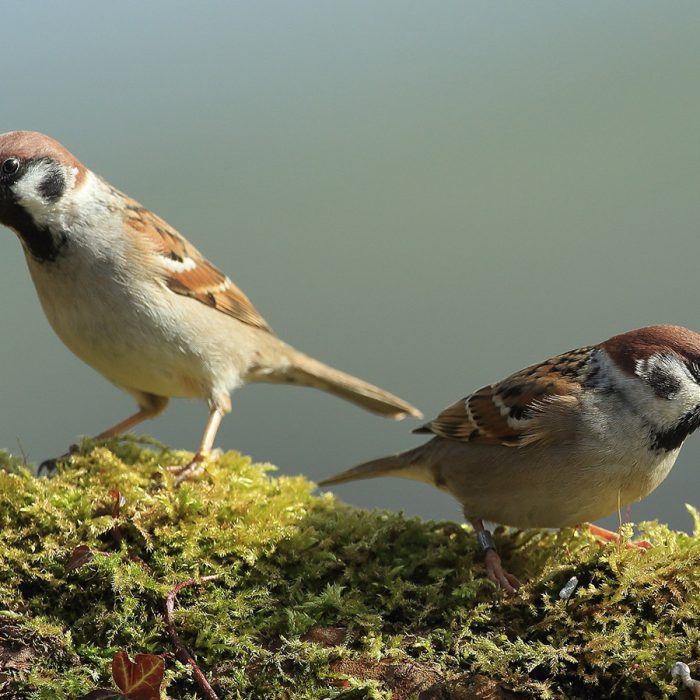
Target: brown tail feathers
x,y
384,466
309,372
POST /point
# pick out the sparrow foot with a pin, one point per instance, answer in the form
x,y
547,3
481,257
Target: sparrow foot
x,y
49,466
497,574
494,567
610,536
191,471
194,468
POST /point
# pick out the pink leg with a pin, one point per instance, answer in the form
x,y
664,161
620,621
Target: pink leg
x,y
494,567
610,536
150,406
155,405
195,466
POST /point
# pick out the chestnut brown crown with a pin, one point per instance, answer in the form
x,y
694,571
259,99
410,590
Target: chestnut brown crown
x,y
628,348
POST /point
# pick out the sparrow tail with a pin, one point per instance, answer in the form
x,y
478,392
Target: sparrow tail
x,y
309,372
384,466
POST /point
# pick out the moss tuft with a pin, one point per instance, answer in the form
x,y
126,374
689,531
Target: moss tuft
x,y
316,599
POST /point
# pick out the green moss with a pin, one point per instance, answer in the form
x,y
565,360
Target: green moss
x,y
317,599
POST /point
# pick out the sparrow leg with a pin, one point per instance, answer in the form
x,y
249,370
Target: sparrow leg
x,y
610,536
494,568
150,406
195,466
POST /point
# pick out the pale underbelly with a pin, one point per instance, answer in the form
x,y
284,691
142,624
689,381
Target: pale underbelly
x,y
143,337
581,495
161,370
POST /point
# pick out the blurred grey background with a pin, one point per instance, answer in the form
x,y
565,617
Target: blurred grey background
x,y
429,195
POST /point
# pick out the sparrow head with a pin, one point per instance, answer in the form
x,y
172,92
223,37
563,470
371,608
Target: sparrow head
x,y
660,366
638,351
36,176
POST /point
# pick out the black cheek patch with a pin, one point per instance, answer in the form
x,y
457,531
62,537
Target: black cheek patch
x,y
52,187
664,384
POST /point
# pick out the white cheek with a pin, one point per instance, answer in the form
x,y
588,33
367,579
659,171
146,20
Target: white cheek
x,y
28,192
688,397
635,405
667,412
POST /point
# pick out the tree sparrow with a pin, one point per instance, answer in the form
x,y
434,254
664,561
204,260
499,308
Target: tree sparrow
x,y
136,301
562,442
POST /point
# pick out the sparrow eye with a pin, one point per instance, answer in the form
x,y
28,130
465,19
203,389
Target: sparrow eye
x,y
10,166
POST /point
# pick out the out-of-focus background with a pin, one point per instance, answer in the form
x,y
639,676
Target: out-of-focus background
x,y
429,195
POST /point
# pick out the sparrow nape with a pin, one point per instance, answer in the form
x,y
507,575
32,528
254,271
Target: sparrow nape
x,y
563,442
135,300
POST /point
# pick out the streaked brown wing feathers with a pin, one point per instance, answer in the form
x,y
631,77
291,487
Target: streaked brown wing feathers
x,y
186,271
507,413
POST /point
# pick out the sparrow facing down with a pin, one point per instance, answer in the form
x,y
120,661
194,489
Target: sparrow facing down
x,y
563,442
136,301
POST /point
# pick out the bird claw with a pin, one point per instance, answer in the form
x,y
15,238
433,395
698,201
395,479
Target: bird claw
x,y
194,468
185,472
49,466
497,574
190,471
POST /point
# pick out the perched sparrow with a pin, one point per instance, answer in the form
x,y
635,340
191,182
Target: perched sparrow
x,y
562,442
136,301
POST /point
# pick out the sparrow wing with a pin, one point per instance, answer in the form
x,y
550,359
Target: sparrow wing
x,y
186,271
535,404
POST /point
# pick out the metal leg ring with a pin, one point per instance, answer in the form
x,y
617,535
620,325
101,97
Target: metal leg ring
x,y
485,540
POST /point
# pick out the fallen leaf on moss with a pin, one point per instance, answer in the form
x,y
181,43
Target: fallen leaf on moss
x,y
139,679
80,556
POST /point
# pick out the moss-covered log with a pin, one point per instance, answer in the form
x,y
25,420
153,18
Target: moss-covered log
x,y
316,599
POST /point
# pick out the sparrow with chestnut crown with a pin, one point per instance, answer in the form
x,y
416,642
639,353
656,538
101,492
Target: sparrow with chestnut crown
x,y
135,300
562,442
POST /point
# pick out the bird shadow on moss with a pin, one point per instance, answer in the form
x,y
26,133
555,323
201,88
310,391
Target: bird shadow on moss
x,y
316,599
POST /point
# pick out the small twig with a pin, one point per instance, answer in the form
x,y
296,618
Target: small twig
x,y
25,459
180,650
117,502
680,671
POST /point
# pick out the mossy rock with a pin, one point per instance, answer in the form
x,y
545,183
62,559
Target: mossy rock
x,y
316,599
